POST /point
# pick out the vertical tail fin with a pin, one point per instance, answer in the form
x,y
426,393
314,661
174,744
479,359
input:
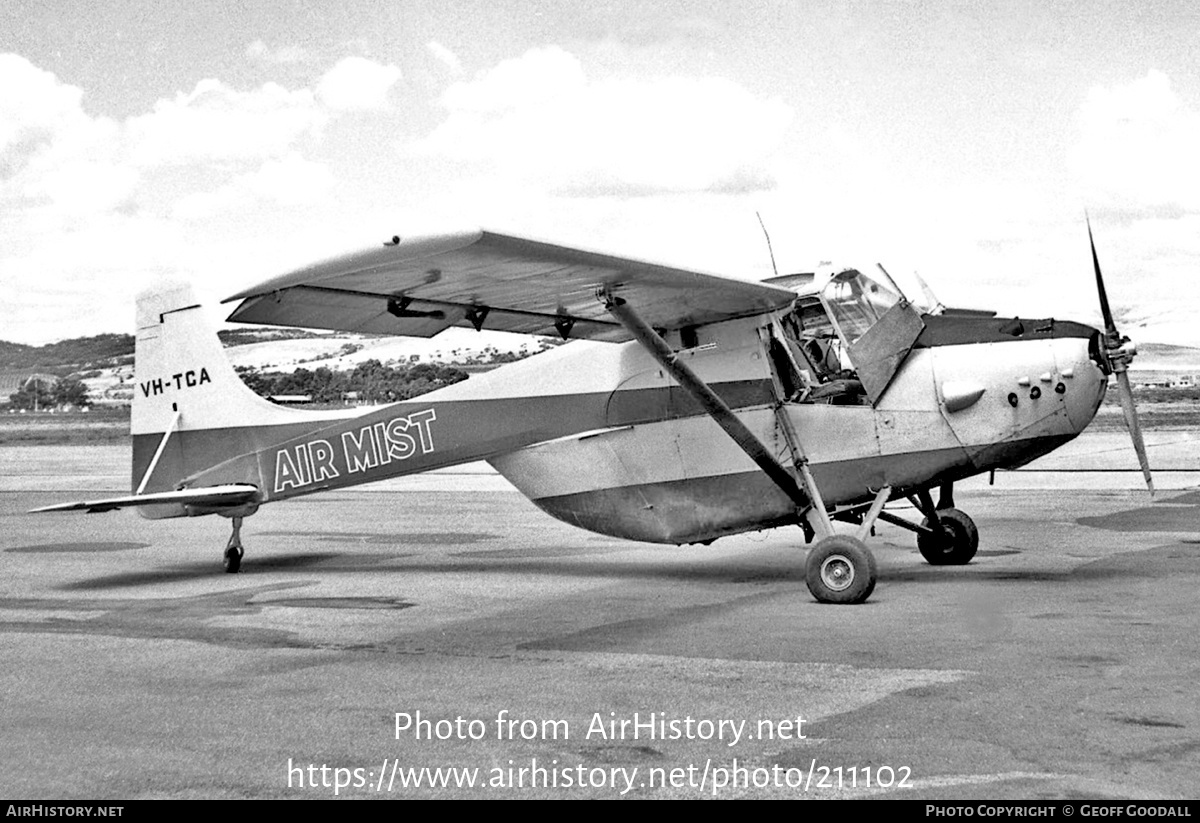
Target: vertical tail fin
x,y
180,366
190,408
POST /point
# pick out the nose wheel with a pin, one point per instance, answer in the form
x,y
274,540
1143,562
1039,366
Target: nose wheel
x,y
947,536
234,549
951,540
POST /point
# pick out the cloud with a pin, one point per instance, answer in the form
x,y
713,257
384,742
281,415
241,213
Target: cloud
x,y
290,181
542,77
33,103
77,187
540,119
215,122
258,51
446,57
1137,169
80,280
1137,147
92,209
53,156
357,83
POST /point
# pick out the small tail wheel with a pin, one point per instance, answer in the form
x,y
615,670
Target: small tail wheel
x,y
233,559
840,569
957,543
233,549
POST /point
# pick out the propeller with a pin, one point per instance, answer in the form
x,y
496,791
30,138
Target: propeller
x,y
1120,352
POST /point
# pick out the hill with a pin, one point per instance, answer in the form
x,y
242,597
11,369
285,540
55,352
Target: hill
x,y
78,352
1165,357
277,348
109,349
325,364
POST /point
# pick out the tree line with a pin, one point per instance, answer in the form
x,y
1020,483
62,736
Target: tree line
x,y
36,394
369,381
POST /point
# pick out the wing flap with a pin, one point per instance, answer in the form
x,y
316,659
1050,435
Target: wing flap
x,y
215,497
525,286
318,307
324,308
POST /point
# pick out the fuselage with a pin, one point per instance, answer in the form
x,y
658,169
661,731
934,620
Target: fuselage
x,y
598,436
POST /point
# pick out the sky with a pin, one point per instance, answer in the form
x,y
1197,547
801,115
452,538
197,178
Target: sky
x,y
228,142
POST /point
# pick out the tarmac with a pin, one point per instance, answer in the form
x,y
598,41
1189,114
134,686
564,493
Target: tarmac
x,y
441,630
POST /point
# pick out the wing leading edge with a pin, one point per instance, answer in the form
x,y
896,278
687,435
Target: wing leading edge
x,y
421,286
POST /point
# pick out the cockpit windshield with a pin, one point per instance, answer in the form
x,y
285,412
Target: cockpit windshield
x,y
857,301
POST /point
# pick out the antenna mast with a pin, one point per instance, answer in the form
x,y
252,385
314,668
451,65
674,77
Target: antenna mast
x,y
770,251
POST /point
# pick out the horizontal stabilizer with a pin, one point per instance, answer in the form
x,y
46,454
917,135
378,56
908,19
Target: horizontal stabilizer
x,y
215,497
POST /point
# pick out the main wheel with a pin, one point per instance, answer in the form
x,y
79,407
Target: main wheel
x,y
233,559
840,569
957,543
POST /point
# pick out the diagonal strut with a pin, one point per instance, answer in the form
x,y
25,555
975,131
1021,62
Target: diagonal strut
x,y
716,408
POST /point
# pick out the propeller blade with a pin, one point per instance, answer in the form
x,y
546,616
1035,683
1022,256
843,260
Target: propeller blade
x,y
1120,364
1109,325
1135,430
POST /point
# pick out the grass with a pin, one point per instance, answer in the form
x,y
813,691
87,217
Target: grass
x,y
96,427
1158,409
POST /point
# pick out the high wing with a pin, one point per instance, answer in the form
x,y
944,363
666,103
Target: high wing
x,y
423,285
215,497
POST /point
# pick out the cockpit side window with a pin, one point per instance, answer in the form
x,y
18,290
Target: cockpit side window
x,y
813,347
854,336
813,341
856,302
875,322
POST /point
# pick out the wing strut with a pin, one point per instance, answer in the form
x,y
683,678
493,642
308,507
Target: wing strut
x,y
806,498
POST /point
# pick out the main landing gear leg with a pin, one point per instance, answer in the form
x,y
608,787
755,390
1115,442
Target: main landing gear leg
x,y
233,549
839,568
946,495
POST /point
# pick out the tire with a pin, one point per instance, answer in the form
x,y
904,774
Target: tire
x,y
840,569
233,560
956,545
